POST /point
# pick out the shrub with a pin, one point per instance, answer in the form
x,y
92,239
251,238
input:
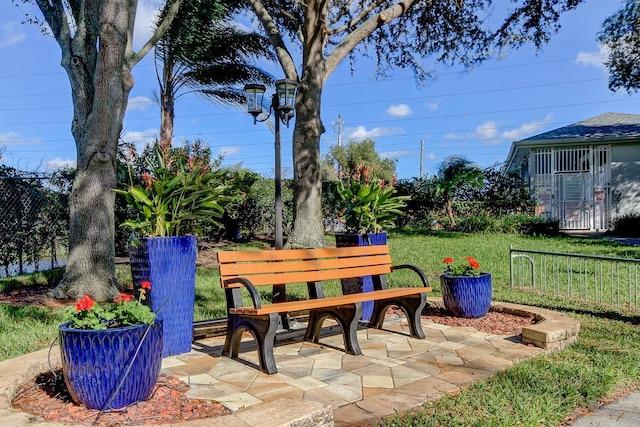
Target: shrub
x,y
627,225
477,224
529,225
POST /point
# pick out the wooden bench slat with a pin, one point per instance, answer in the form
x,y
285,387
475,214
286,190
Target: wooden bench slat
x,y
247,270
282,307
310,276
275,255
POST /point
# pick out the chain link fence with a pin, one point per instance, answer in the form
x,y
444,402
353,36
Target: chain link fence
x,y
34,220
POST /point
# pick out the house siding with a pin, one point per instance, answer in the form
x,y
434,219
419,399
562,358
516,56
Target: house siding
x,y
625,180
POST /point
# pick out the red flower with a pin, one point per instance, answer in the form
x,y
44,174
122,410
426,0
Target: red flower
x,y
472,262
122,298
448,261
145,284
146,177
84,303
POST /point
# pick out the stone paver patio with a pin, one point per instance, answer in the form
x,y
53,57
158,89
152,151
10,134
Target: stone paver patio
x,y
319,384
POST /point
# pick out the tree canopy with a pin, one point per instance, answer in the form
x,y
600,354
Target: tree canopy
x,y
621,36
343,161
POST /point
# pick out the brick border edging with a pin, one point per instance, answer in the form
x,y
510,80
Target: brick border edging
x,y
553,331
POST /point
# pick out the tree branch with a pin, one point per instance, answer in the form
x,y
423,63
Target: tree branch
x,y
55,16
284,57
132,58
352,22
365,30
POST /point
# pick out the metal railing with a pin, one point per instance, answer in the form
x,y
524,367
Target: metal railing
x,y
587,278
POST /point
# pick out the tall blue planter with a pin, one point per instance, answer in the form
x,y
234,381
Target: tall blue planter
x,y
95,364
365,283
169,263
467,296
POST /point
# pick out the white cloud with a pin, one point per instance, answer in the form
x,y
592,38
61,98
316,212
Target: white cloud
x,y
396,154
433,106
140,138
400,110
139,103
10,138
593,59
487,130
360,132
431,156
229,151
526,129
59,163
11,33
145,22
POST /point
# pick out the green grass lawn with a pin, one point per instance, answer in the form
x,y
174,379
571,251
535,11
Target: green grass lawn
x,y
542,391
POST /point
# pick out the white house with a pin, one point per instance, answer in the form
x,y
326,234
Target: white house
x,y
585,174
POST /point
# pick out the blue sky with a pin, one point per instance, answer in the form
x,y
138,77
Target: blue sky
x,y
477,113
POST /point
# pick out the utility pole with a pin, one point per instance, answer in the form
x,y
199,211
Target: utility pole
x,y
339,124
421,156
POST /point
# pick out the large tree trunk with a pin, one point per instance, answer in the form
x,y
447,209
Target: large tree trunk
x,y
308,227
101,84
96,40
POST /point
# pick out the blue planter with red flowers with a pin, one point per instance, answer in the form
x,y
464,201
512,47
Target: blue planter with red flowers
x,y
111,368
467,296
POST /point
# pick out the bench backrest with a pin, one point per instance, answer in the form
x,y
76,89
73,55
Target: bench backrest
x,y
284,266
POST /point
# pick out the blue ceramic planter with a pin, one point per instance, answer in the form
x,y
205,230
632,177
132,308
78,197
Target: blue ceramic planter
x,y
169,263
365,283
95,364
467,296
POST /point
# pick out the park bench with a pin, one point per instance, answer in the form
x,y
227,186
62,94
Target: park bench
x,y
253,269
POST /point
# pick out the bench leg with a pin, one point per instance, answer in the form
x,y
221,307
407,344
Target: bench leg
x,y
412,307
346,316
263,329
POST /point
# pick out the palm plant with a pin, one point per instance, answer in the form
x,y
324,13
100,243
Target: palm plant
x,y
454,173
207,52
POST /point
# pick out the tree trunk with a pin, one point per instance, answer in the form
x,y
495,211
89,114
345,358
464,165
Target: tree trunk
x,y
101,84
308,227
449,206
167,102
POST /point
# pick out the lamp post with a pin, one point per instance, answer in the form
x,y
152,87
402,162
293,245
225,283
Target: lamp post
x,y
282,103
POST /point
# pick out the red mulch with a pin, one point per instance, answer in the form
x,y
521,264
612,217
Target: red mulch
x,y
494,322
47,396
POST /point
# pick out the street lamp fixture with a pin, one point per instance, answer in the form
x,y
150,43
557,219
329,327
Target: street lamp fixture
x,y
283,104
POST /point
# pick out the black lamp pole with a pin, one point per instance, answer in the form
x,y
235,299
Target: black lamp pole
x,y
282,103
278,172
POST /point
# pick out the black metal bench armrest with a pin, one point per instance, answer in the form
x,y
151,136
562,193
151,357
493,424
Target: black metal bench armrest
x,y
253,292
414,268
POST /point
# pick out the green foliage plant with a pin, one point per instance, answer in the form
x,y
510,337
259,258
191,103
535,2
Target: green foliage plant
x,y
371,206
124,311
469,268
178,196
